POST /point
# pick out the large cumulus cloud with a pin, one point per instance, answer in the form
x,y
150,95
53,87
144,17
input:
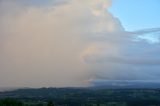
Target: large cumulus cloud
x,y
68,42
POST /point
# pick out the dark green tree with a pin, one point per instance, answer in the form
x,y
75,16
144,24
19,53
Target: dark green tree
x,y
10,102
50,103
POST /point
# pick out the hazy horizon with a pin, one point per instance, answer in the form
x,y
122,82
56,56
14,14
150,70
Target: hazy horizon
x,y
72,43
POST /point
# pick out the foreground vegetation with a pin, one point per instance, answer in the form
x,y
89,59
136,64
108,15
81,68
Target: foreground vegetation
x,y
80,97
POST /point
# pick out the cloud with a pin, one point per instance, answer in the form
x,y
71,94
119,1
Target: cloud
x,y
146,31
126,58
151,35
42,45
69,42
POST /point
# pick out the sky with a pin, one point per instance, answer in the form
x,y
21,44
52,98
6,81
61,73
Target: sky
x,y
137,14
73,43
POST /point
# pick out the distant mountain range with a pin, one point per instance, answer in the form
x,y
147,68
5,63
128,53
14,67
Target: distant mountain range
x,y
7,88
116,84
110,84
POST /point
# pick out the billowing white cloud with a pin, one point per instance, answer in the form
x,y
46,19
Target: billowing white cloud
x,y
68,43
